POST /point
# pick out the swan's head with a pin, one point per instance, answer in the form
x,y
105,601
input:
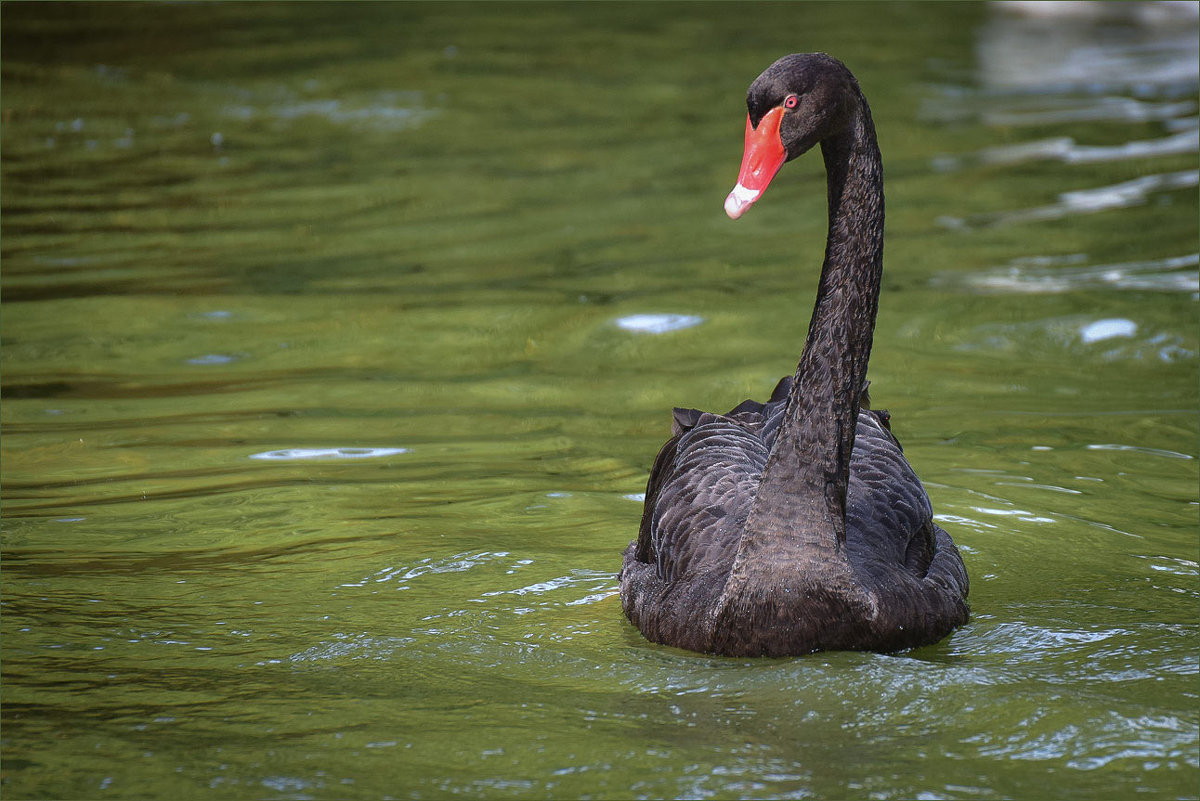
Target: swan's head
x,y
797,102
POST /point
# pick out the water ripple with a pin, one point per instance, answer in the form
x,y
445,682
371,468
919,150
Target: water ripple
x,y
1122,195
352,646
1123,338
600,583
1038,275
302,454
386,110
1140,449
456,563
1066,150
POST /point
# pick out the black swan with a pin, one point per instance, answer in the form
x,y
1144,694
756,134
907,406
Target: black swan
x,y
797,525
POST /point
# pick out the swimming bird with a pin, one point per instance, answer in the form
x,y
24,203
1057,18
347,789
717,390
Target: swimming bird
x,y
797,525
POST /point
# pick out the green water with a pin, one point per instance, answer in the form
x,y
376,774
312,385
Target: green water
x,y
322,441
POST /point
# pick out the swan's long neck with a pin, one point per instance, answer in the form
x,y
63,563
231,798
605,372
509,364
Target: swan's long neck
x,y
803,487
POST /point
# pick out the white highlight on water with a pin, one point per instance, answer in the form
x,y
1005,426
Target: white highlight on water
x,y
1107,329
657,323
1055,274
1084,201
302,454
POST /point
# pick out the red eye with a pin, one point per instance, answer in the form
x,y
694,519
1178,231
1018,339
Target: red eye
x,y
791,102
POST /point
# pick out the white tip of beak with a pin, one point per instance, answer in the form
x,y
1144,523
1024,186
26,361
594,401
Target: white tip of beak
x,y
739,200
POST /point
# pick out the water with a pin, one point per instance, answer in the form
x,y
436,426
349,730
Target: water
x,y
338,341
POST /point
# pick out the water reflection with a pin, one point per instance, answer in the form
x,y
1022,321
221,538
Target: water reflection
x,y
1135,192
1071,273
381,560
1066,150
1122,339
1090,46
1064,64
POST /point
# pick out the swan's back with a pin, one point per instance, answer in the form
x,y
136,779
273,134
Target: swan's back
x,y
706,480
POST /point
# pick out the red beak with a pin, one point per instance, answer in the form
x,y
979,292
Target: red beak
x,y
763,157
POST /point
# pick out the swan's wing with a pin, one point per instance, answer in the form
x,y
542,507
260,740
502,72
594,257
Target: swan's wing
x,y
889,519
894,545
700,490
659,475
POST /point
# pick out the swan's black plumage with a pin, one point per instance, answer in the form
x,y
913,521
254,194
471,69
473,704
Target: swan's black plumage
x,y
797,525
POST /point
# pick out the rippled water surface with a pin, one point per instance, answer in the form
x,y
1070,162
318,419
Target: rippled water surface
x,y
338,342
